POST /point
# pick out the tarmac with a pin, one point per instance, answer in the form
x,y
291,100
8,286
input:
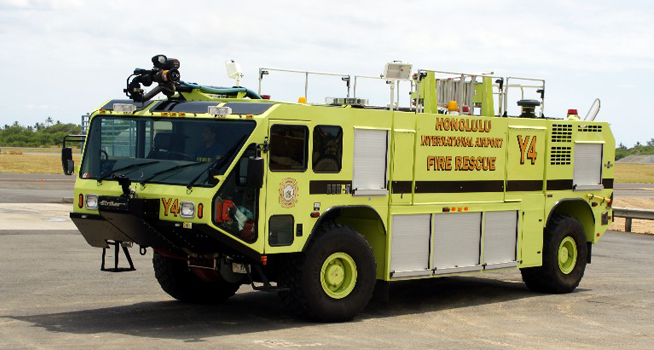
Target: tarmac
x,y
53,295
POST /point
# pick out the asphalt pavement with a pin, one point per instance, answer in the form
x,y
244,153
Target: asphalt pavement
x,y
53,295
634,190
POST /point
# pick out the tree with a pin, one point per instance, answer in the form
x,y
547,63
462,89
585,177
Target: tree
x,y
38,136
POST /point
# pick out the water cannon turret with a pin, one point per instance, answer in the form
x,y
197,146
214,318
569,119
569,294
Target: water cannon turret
x,y
165,72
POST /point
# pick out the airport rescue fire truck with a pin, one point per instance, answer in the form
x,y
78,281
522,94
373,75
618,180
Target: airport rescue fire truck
x,y
326,203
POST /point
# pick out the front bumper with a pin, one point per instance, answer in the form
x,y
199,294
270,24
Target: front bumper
x,y
137,220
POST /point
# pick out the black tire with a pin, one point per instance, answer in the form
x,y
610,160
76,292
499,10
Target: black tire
x,y
179,282
302,275
549,277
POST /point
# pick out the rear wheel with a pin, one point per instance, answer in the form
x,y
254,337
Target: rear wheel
x,y
176,279
564,258
334,280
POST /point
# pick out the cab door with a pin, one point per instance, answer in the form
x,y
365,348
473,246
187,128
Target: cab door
x,y
288,205
525,173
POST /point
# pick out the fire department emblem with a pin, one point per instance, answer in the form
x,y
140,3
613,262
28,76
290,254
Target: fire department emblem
x,y
288,192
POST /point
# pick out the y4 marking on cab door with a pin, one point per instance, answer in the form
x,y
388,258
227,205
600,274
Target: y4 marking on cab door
x,y
531,152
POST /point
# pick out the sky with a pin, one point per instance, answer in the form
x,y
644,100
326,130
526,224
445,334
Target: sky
x,y
64,58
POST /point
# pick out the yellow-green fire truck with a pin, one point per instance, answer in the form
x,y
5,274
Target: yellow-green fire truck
x,y
323,203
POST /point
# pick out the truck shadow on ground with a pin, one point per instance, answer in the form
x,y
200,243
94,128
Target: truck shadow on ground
x,y
259,311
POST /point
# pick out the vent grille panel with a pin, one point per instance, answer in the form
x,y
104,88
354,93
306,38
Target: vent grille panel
x,y
560,155
561,133
589,128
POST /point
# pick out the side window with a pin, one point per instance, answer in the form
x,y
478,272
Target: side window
x,y
327,149
288,147
235,206
118,138
281,230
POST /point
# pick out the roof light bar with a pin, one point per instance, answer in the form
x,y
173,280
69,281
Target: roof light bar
x,y
339,101
219,111
124,108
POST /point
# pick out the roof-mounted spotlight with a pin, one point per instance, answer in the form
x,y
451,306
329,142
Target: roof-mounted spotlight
x,y
397,70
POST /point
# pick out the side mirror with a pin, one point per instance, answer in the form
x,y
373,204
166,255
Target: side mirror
x,y
67,162
255,173
70,167
241,175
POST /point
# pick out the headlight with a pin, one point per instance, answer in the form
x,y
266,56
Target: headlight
x,y
187,210
92,201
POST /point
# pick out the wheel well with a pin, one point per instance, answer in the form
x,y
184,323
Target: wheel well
x,y
580,210
362,219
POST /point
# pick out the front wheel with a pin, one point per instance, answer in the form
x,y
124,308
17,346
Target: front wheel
x,y
334,280
564,258
204,287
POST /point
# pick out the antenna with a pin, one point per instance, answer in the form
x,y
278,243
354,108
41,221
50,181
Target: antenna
x,y
234,71
594,109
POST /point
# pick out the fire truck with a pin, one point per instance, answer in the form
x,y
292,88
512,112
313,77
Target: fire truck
x,y
326,203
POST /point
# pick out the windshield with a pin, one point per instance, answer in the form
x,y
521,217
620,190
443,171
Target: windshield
x,y
157,150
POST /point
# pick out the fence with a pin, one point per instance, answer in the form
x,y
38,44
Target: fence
x,y
630,214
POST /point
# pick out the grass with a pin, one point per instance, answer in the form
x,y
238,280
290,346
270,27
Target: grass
x,y
32,163
30,149
634,173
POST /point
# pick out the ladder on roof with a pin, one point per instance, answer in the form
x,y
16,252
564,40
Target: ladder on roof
x,y
466,89
461,90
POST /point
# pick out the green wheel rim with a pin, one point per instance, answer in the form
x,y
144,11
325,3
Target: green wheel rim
x,y
567,255
338,275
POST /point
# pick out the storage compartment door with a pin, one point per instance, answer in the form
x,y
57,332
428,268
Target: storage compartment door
x,y
410,245
370,162
588,166
500,237
457,238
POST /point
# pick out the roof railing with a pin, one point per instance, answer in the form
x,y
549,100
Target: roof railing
x,y
459,87
266,71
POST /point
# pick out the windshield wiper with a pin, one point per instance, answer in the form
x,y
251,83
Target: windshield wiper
x,y
220,161
127,167
168,170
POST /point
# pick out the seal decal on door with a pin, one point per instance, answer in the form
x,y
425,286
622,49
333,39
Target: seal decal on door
x,y
288,193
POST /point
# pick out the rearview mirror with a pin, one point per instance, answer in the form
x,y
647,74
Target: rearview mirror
x,y
249,172
67,162
70,167
241,175
255,173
